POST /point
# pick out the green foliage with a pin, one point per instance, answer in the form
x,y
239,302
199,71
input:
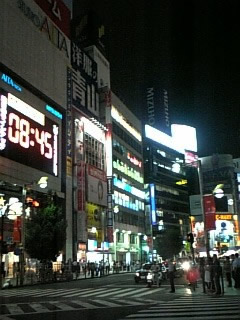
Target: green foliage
x,y
45,233
169,243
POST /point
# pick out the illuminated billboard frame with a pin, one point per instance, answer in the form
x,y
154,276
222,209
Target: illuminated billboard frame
x,y
153,204
183,137
27,136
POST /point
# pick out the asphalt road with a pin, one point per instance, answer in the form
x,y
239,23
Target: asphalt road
x,y
111,297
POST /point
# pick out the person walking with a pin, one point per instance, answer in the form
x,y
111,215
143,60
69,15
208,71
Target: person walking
x,y
155,270
202,272
171,274
236,271
227,269
217,273
107,265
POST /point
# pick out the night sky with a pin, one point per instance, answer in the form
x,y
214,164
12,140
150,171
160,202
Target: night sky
x,y
192,48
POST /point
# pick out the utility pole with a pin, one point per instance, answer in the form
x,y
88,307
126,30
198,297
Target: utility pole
x,y
206,235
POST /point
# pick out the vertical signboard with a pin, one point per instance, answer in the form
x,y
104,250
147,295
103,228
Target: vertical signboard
x,y
84,81
69,124
81,198
209,212
153,204
157,110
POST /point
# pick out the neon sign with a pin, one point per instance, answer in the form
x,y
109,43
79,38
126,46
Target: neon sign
x,y
5,78
134,160
126,187
27,136
54,111
121,119
153,205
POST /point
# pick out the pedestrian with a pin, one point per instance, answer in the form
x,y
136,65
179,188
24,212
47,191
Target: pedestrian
x,y
236,270
202,272
155,270
217,273
107,265
171,274
207,276
227,269
193,275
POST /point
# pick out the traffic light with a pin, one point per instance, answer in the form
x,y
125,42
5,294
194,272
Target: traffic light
x,y
190,237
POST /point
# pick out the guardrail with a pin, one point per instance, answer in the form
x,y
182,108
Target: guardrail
x,y
58,273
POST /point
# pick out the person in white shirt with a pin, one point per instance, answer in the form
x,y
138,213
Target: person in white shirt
x,y
155,269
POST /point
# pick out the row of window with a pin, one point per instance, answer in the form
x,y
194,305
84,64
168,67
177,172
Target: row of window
x,y
131,219
94,150
127,138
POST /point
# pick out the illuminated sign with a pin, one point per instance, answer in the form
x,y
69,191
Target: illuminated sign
x,y
134,160
27,136
162,138
93,130
5,78
181,182
119,165
224,217
153,205
54,111
126,187
184,137
125,123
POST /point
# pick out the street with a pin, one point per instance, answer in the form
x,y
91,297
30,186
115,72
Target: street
x,y
116,297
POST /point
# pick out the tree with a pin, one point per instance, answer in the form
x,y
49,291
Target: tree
x,y
169,244
45,233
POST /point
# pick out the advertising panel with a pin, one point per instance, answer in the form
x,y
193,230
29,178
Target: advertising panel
x,y
209,211
69,124
84,81
97,186
81,167
27,135
58,13
153,204
94,215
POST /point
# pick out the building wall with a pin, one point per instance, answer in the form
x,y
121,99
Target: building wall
x,y
29,52
35,53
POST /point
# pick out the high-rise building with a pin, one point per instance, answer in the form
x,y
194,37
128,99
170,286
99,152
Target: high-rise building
x,y
165,177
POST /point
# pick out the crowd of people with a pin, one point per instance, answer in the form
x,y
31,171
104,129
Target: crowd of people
x,y
212,271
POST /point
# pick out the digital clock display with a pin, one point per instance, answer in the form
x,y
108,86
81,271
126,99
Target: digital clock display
x,y
27,136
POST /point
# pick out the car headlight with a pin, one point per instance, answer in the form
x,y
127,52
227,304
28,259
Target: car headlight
x,y
137,274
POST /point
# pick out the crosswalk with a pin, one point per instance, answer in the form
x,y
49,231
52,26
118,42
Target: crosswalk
x,y
192,307
103,292
29,308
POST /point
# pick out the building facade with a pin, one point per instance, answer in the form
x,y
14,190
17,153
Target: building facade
x,y
33,65
165,178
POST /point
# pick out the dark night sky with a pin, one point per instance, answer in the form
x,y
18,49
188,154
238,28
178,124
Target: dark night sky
x,y
190,47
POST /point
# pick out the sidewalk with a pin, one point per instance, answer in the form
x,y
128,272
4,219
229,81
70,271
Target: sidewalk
x,y
33,279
